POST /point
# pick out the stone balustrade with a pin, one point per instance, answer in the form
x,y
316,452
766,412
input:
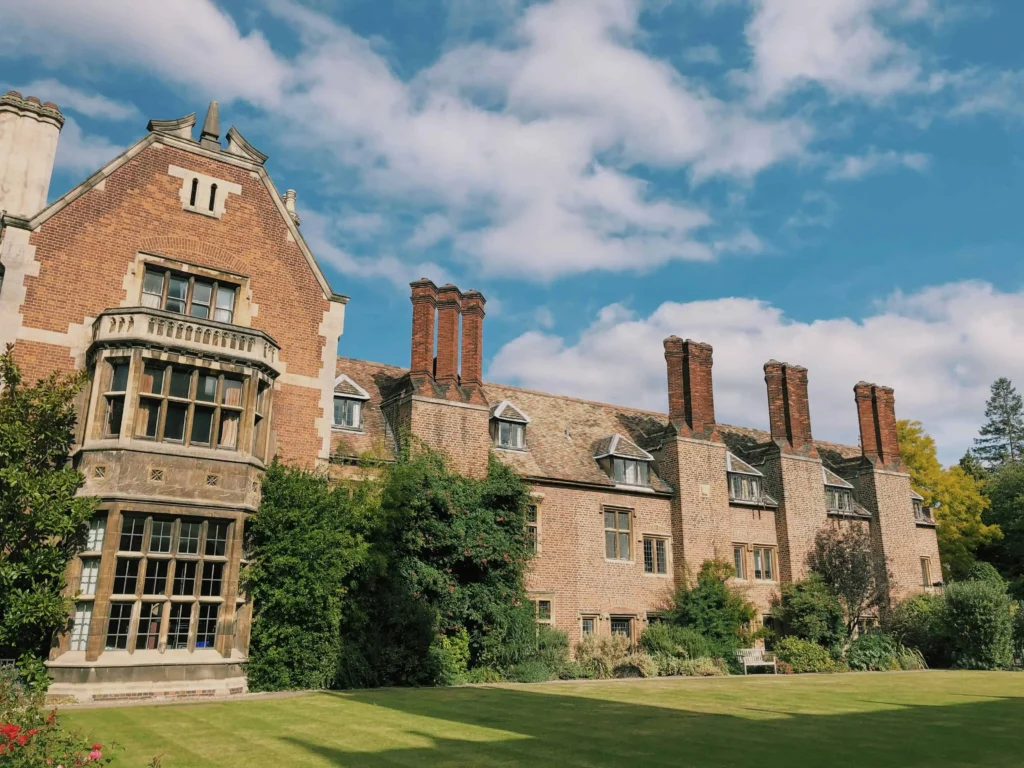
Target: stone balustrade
x,y
192,335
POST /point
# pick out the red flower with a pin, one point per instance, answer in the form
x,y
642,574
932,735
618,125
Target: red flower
x,y
10,730
97,746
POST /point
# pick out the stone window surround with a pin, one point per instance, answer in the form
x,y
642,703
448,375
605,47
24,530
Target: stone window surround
x,y
536,598
748,561
630,559
254,380
537,501
654,537
244,309
204,185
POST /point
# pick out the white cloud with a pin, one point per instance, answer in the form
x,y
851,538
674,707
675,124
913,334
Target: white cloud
x,y
939,348
432,229
361,224
854,167
78,152
544,317
89,104
703,54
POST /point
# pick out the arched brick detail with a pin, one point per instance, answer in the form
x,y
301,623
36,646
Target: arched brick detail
x,y
187,248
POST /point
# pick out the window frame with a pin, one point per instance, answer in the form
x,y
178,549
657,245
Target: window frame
x,y
642,471
213,306
536,600
746,488
516,434
629,621
739,557
618,533
926,573
355,404
765,553
659,559
533,526
583,625
81,626
839,500
114,398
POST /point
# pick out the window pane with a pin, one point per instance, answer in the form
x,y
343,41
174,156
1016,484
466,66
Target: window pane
x,y
156,577
181,382
202,425
119,378
160,536
212,577
531,513
609,544
132,527
644,475
184,578
737,561
178,625
222,315
758,572
126,576
623,521
97,531
588,626
153,378
624,546
544,610
659,550
118,626
115,413
174,426
149,626
648,555
201,295
188,538
225,305
206,630
207,388
503,433
80,626
90,575
152,289
147,418
216,539
768,571
232,393
621,627
619,470
609,519
228,430
177,289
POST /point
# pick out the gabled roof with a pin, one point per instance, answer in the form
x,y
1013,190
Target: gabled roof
x,y
623,447
830,478
734,463
343,385
508,412
916,496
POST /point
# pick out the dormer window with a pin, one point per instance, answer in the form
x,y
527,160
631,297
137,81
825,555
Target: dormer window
x,y
746,484
508,426
349,398
839,499
624,461
922,514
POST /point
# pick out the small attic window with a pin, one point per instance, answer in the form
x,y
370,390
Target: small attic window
x,y
630,471
624,461
508,427
349,398
839,499
746,484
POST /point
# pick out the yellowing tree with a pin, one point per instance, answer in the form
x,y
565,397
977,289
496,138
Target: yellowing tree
x,y
954,496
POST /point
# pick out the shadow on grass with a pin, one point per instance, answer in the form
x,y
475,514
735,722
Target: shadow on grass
x,y
546,729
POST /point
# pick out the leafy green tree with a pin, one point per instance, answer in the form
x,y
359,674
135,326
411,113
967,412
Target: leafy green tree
x,y
1005,490
1002,435
846,562
979,625
970,465
714,609
304,542
809,609
954,494
42,521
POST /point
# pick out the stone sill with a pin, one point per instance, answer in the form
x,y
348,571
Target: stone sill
x,y
146,659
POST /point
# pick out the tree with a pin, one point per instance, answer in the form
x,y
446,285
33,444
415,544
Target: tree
x,y
712,608
1002,435
42,522
810,610
304,542
954,494
1005,490
846,562
970,465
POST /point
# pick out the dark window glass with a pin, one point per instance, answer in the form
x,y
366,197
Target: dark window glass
x,y
148,418
132,529
544,610
213,574
207,389
185,578
192,196
150,619
178,625
119,378
622,627
126,576
156,577
177,290
174,427
659,550
216,539
206,629
118,626
160,536
181,382
188,538
202,294
202,425
153,378
115,413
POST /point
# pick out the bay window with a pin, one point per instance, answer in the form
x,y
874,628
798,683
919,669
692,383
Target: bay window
x,y
188,295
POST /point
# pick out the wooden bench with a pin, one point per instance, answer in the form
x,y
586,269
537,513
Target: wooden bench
x,y
756,657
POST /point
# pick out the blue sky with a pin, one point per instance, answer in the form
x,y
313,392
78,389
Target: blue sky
x,y
831,182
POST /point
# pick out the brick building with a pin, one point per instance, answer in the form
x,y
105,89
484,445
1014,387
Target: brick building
x,y
177,277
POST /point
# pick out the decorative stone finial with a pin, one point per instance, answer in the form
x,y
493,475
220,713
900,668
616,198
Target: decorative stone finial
x,y
210,136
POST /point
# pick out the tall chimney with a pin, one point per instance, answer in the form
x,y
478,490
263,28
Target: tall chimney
x,y
449,309
876,413
691,399
789,411
473,338
28,145
424,304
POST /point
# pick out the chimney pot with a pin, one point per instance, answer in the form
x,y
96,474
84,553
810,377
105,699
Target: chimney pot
x,y
789,413
449,310
691,400
424,305
29,132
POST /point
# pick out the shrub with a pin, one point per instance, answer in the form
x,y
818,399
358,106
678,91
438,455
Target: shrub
x,y
553,648
714,610
669,665
982,571
910,659
874,652
803,655
978,623
810,610
29,737
484,675
573,670
704,667
450,657
637,664
530,672
602,654
664,639
918,623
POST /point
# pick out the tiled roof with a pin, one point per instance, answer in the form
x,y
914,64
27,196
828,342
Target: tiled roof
x,y
734,463
505,410
563,432
831,478
344,385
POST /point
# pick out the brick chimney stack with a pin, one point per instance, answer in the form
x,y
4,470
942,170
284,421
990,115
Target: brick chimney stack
x,y
691,399
449,310
789,411
424,305
473,338
29,130
876,413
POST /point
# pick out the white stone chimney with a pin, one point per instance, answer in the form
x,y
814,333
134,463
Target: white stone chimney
x,y
28,145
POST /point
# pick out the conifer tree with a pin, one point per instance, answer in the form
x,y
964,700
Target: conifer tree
x,y
1002,435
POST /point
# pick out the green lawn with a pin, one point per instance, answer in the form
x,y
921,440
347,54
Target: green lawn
x,y
897,719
